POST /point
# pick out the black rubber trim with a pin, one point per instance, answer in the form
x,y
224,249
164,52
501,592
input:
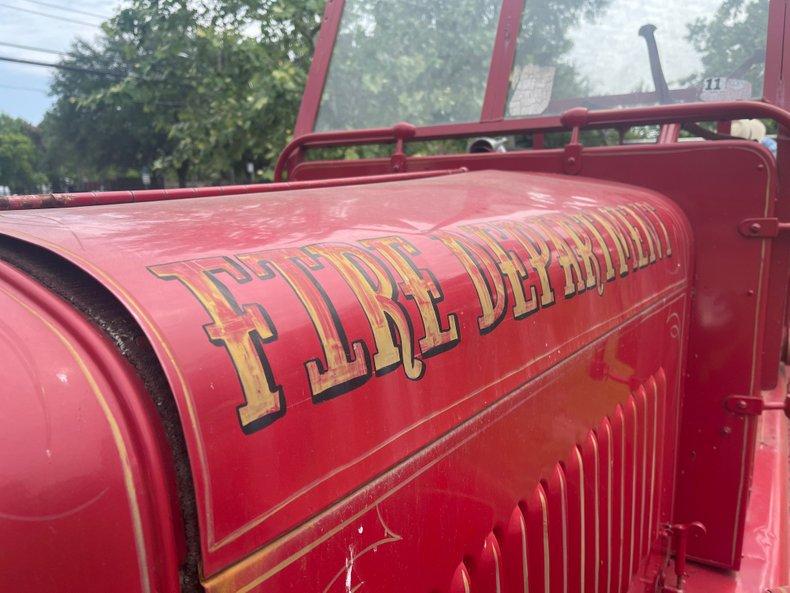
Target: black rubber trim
x,y
101,307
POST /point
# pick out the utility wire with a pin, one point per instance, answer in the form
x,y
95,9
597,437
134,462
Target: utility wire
x,y
62,67
66,9
24,88
31,48
69,67
50,16
46,92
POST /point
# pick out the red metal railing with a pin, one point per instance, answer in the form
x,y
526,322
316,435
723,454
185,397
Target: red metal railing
x,y
401,133
579,117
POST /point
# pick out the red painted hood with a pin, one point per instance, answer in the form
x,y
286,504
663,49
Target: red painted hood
x,y
315,338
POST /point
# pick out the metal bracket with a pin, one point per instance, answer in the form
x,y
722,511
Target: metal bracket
x,y
572,155
572,159
402,132
762,228
676,535
754,406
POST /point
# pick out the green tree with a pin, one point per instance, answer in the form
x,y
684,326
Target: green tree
x,y
427,62
543,40
21,156
732,41
196,89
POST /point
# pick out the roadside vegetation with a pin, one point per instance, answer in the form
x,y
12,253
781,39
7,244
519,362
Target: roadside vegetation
x,y
177,92
180,90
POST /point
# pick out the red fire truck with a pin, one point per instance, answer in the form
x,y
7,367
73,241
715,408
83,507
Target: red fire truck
x,y
512,319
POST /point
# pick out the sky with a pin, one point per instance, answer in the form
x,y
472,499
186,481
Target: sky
x,y
53,29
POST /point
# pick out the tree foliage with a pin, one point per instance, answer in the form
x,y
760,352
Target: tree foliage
x,y
399,60
427,63
186,88
198,89
732,41
543,39
21,156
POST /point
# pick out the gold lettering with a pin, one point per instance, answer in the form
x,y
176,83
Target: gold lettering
x,y
654,215
539,258
509,265
420,286
640,261
345,368
618,238
475,260
565,256
242,330
584,252
648,231
603,247
376,292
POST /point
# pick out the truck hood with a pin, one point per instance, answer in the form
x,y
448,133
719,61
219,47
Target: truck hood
x,y
314,339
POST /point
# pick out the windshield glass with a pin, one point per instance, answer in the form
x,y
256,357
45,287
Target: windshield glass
x,y
409,60
621,53
427,62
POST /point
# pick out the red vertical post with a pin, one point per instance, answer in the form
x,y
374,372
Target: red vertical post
x,y
777,91
502,60
311,100
776,86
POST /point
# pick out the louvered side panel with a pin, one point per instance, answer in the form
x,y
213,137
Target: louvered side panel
x,y
640,463
651,442
629,501
589,524
591,577
461,581
486,569
537,517
618,497
662,445
557,497
608,525
515,570
577,524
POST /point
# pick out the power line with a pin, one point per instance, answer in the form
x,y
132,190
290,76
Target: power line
x,y
65,9
50,16
71,68
61,67
24,88
31,48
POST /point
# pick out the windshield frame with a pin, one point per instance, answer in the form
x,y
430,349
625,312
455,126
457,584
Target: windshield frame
x,y
776,87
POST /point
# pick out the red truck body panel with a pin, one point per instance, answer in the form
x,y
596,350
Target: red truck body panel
x,y
459,373
717,185
88,497
410,292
